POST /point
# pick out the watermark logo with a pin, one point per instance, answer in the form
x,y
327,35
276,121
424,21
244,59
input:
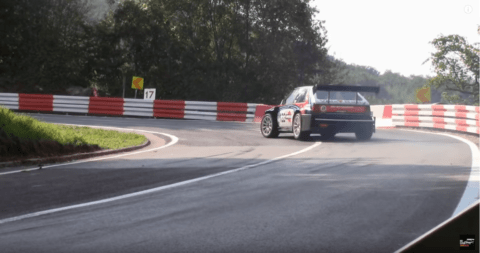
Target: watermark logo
x,y
467,242
468,9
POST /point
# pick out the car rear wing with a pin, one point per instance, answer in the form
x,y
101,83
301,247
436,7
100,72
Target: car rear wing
x,y
375,89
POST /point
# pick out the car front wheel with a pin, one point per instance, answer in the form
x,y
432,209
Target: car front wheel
x,y
297,128
269,126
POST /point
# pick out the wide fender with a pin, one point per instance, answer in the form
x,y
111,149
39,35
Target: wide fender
x,y
306,118
273,111
306,122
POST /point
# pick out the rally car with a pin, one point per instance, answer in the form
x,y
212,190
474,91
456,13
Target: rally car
x,y
323,109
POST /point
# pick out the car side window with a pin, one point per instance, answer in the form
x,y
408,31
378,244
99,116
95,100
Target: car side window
x,y
300,98
284,100
292,97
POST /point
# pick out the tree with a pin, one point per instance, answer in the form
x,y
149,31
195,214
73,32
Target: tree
x,y
42,51
456,63
216,50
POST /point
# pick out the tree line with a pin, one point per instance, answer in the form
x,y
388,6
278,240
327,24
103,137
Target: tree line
x,y
455,62
205,50
216,50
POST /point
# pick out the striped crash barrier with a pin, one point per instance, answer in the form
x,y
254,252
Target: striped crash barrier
x,y
75,104
137,107
35,102
242,112
260,111
9,100
105,106
27,102
220,111
451,117
169,109
383,115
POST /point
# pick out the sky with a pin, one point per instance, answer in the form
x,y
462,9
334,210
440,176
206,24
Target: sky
x,y
392,34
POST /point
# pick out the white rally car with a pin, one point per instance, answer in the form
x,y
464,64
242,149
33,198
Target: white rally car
x,y
327,110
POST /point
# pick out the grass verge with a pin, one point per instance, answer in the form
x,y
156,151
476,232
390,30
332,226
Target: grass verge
x,y
24,136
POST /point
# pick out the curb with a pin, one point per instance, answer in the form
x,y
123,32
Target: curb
x,y
66,158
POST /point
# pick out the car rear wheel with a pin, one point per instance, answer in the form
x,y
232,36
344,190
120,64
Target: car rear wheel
x,y
269,126
364,133
297,128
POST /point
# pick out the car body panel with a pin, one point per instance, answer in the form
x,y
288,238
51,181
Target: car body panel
x,y
285,117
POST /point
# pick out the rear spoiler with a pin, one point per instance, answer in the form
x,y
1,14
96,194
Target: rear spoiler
x,y
375,89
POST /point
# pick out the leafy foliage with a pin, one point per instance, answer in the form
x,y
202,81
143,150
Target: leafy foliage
x,y
217,50
232,50
456,63
210,50
43,49
394,87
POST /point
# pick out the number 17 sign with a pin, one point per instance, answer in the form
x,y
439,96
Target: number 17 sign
x,y
149,94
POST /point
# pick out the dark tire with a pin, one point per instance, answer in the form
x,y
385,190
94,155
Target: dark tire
x,y
327,136
269,126
364,133
298,134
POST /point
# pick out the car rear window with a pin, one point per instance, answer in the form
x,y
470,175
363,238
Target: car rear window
x,y
321,95
338,97
342,95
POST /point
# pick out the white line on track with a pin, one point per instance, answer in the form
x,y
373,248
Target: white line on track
x,y
173,142
471,194
157,189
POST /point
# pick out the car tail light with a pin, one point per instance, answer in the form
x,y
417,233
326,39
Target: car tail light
x,y
340,109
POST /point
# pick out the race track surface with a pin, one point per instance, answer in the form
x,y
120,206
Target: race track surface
x,y
342,195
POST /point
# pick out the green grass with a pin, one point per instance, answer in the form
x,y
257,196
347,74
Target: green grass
x,y
28,128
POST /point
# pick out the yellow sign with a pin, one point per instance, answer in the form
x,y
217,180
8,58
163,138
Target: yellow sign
x,y
423,95
137,83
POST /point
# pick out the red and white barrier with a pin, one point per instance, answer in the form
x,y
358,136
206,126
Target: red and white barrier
x,y
9,100
452,117
106,106
35,102
200,110
221,111
67,104
260,111
169,109
234,112
383,115
387,112
137,107
381,111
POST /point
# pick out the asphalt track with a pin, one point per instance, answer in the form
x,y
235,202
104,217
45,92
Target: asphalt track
x,y
342,195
